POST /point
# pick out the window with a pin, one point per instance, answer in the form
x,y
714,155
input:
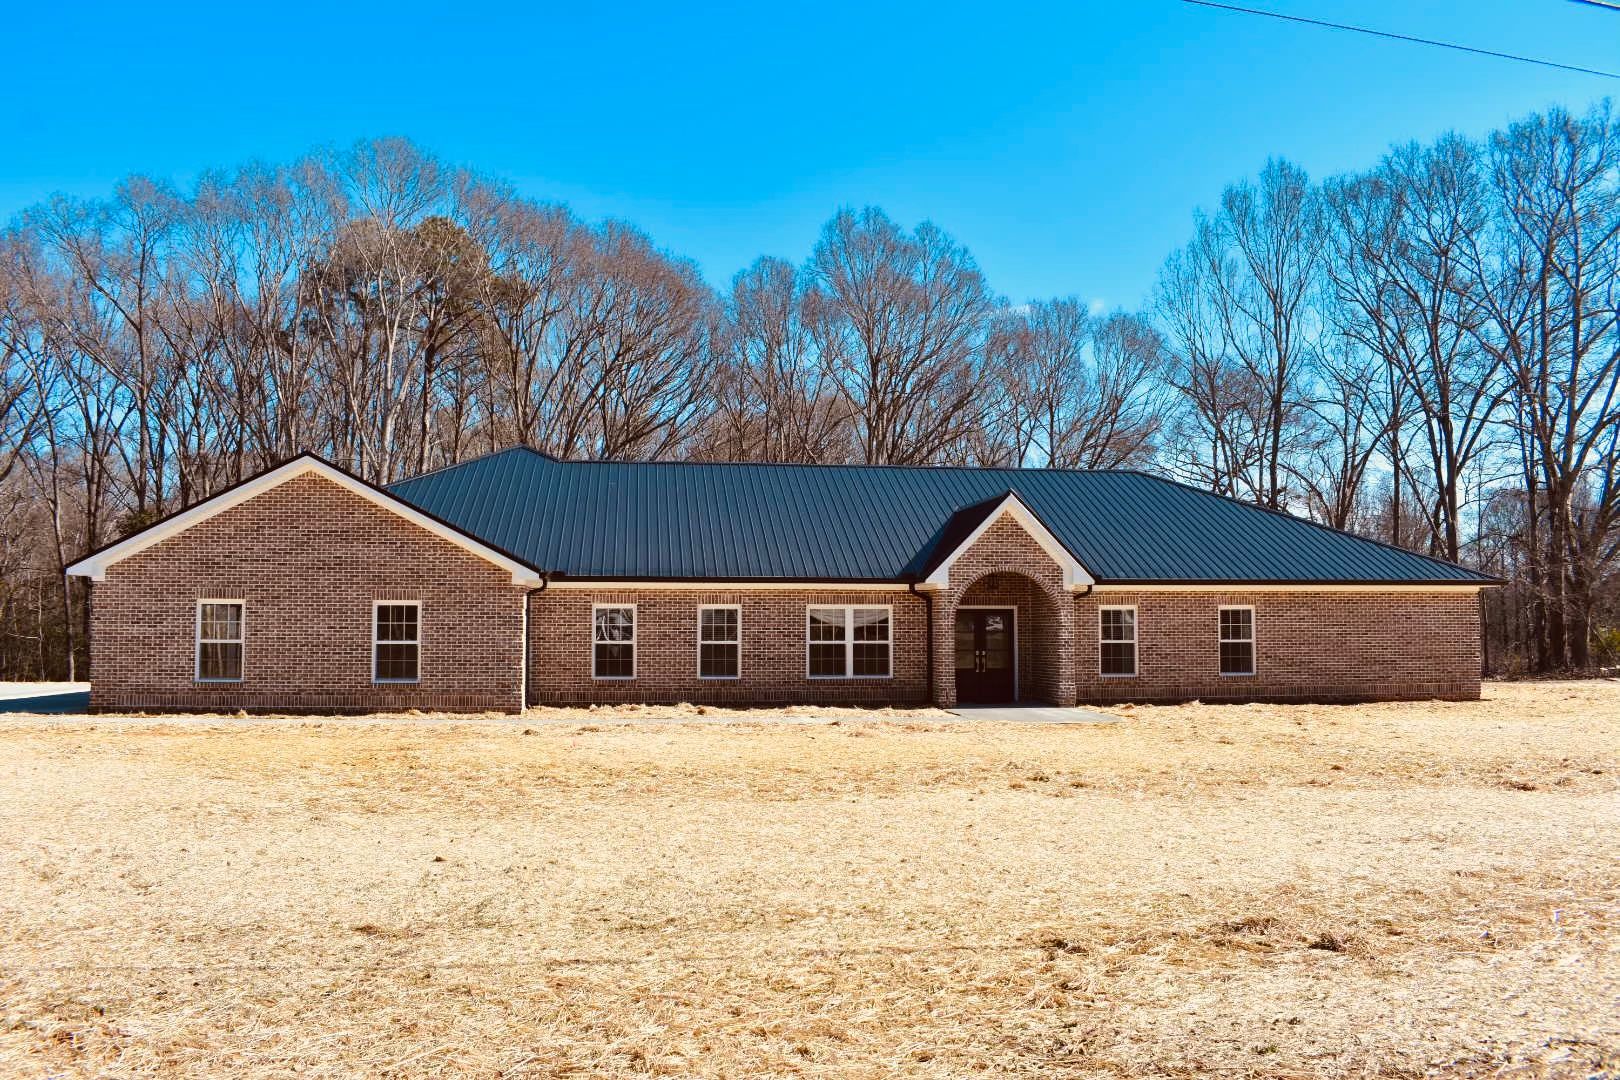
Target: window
x,y
220,633
1117,637
719,642
613,650
1237,641
849,642
396,641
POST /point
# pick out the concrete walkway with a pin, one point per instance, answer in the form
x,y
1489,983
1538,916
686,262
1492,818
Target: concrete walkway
x,y
1032,714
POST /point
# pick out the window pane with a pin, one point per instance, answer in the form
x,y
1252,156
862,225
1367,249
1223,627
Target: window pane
x,y
615,661
1118,624
826,659
219,660
718,624
1237,658
717,661
1118,658
221,622
871,659
1237,624
396,622
871,624
615,624
396,661
826,624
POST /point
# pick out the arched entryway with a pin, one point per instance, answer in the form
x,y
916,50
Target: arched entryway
x,y
1006,642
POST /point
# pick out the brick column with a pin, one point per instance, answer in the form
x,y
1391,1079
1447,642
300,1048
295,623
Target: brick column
x,y
944,638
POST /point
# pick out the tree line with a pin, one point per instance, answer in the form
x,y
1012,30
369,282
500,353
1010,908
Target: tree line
x,y
1425,353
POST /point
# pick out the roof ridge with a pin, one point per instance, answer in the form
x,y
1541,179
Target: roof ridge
x,y
832,465
1330,530
473,461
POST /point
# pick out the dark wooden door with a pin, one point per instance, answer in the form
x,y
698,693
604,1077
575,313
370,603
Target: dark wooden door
x,y
984,655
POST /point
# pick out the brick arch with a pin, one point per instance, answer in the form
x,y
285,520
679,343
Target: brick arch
x,y
1006,566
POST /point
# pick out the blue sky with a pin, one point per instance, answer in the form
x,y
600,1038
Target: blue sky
x,y
1066,144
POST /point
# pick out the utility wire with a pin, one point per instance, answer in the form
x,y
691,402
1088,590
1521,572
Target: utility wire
x,y
1404,37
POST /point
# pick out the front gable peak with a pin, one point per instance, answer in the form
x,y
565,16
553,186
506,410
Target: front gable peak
x,y
969,524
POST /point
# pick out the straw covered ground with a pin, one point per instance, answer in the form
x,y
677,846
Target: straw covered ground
x,y
1394,890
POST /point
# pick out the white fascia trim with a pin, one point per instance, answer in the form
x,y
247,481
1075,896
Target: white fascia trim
x,y
720,585
1302,587
1074,575
95,566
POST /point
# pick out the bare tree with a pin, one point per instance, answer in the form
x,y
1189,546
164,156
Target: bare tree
x,y
1085,392
1402,265
1552,307
1248,278
776,401
899,320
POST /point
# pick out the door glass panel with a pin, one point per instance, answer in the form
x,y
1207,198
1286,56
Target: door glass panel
x,y
997,642
964,642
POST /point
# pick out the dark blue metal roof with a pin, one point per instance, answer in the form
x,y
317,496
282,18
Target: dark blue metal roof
x,y
740,522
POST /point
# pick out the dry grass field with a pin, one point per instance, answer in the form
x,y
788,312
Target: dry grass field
x,y
1394,890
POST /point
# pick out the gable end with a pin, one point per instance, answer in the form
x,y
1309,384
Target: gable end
x,y
94,566
1075,575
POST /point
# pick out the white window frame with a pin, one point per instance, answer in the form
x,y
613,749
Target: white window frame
x,y
1133,641
635,652
375,641
849,638
198,643
1251,641
702,642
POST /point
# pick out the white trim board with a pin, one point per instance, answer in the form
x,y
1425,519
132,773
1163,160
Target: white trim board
x,y
95,566
1075,576
1236,587
722,585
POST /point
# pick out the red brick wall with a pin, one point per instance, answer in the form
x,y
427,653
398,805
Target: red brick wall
x,y
1316,646
308,557
773,648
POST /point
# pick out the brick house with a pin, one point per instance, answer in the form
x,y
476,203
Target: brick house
x,y
516,578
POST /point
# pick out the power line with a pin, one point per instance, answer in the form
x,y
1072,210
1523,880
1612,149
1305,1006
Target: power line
x,y
1405,37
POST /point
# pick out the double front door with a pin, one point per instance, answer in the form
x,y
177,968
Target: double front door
x,y
984,655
